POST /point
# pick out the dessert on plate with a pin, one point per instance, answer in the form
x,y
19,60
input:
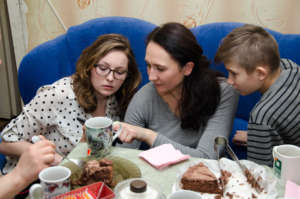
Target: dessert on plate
x,y
97,170
229,182
199,178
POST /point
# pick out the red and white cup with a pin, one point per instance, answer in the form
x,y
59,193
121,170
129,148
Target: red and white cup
x,y
54,181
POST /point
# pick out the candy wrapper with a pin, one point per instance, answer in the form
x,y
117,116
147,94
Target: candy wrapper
x,y
93,191
237,186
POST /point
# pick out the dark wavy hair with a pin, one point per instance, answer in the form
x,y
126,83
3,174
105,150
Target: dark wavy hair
x,y
201,90
82,85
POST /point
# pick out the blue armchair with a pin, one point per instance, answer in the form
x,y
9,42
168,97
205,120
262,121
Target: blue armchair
x,y
57,58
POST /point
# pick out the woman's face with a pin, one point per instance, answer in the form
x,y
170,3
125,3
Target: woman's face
x,y
109,73
163,70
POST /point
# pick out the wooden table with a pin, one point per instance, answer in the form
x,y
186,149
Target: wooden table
x,y
164,178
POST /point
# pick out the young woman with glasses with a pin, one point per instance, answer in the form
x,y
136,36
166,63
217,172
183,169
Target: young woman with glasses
x,y
105,80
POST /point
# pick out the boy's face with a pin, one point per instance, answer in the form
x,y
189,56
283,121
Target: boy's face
x,y
243,82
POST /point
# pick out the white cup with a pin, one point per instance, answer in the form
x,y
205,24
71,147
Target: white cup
x,y
286,163
100,135
184,194
54,181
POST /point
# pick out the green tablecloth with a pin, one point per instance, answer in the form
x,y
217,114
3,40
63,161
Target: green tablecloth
x,y
163,178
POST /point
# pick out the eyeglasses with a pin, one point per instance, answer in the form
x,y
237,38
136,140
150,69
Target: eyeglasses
x,y
103,70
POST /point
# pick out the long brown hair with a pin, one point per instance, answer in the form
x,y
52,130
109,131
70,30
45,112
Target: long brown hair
x,y
201,91
82,85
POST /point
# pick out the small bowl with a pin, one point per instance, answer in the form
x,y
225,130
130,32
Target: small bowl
x,y
122,190
186,194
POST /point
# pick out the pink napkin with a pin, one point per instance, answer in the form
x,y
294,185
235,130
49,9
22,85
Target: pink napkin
x,y
163,156
292,190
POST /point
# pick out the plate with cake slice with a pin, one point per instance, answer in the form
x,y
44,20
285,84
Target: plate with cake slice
x,y
206,178
111,170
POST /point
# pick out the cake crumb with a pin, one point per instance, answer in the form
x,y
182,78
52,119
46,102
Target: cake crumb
x,y
218,197
251,180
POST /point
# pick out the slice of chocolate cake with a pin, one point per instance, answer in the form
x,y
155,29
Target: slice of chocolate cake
x,y
97,170
199,178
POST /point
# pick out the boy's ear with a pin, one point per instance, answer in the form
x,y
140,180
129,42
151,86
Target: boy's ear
x,y
262,72
188,68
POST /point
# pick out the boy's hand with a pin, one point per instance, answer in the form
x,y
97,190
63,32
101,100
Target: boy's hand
x,y
240,138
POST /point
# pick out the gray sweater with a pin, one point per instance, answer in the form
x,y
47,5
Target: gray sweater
x,y
147,109
275,119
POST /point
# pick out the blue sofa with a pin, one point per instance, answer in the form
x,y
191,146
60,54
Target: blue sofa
x,y
2,160
55,59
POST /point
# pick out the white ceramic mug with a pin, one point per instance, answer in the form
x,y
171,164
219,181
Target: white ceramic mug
x,y
100,135
54,181
286,162
184,194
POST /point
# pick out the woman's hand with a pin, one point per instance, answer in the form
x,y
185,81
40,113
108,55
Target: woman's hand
x,y
240,138
34,158
131,132
83,137
37,157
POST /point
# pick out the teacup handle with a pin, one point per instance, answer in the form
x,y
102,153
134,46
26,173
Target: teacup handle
x,y
36,191
117,133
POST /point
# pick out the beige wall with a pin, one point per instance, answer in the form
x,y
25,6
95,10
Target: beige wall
x,y
10,104
41,23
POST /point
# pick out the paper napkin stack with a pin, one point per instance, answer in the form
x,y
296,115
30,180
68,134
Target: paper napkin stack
x,y
163,156
292,190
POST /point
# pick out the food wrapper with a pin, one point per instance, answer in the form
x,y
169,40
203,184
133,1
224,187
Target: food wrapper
x,y
96,190
237,186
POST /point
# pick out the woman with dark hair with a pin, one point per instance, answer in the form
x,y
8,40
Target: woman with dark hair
x,y
186,103
105,80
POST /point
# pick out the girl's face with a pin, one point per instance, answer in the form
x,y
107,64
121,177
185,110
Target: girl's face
x,y
165,73
109,73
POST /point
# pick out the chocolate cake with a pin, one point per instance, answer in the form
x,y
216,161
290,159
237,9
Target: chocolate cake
x,y
95,171
199,178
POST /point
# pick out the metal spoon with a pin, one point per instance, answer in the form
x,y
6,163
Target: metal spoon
x,y
217,149
222,141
